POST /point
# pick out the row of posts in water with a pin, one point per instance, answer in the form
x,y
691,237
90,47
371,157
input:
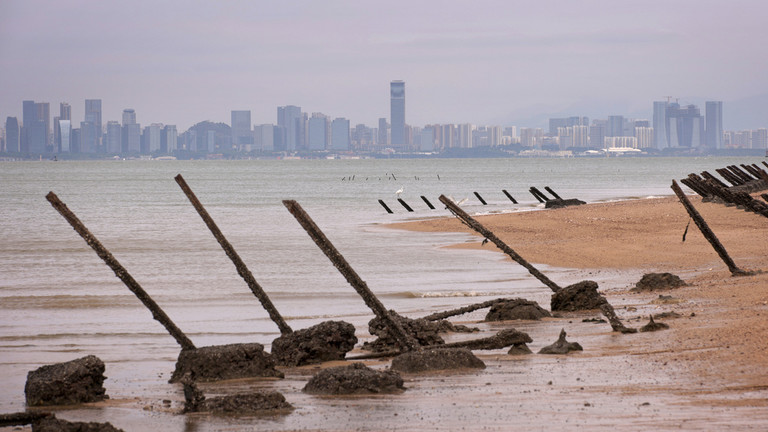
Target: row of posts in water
x,y
540,196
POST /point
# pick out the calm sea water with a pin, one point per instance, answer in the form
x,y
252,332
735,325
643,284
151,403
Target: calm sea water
x,y
58,301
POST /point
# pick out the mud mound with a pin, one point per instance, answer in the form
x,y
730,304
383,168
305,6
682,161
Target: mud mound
x,y
577,297
327,341
516,309
653,326
260,402
436,359
424,331
356,378
658,281
52,424
519,349
222,362
562,346
73,382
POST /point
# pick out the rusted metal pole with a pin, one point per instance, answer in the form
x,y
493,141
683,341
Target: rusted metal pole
x,y
242,269
707,232
120,272
406,341
463,310
548,189
475,225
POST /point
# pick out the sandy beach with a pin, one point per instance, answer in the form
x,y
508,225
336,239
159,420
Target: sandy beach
x,y
724,344
707,372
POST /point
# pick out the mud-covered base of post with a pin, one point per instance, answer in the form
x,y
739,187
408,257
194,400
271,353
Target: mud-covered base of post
x,y
516,309
73,382
223,362
425,332
327,341
255,403
577,297
52,424
436,359
354,379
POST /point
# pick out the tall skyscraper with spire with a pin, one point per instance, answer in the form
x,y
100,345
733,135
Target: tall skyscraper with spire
x,y
397,114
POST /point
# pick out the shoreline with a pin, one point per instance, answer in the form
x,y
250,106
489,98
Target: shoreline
x,y
721,339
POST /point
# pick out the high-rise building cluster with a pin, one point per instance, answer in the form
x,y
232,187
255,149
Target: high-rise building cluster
x,y
673,126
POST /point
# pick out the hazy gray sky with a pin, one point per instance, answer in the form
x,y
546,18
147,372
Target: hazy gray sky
x,y
483,62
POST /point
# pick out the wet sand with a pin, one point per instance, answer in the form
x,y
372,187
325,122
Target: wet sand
x,y
707,372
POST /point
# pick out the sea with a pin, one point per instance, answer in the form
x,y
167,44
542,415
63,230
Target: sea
x,y
59,301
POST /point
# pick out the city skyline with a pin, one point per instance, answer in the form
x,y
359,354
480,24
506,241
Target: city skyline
x,y
505,63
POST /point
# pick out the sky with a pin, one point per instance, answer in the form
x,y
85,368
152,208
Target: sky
x,y
485,62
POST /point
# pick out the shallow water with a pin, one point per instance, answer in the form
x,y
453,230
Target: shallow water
x,y
58,301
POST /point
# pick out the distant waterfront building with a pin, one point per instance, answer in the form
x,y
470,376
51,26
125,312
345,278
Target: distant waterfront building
x,y
318,131
113,142
242,135
660,125
91,127
169,139
398,139
555,123
448,137
291,124
382,140
713,116
686,128
597,135
464,135
340,134
264,137
65,136
151,138
615,126
427,139
131,138
644,137
530,137
760,139
36,121
12,135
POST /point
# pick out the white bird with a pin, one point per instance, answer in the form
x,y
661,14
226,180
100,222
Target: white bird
x,y
399,191
462,201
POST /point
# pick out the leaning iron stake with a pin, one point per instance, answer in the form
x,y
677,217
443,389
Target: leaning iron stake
x,y
707,232
475,225
406,341
242,269
120,272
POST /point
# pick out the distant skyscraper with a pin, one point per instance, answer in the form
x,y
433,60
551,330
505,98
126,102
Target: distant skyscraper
x,y
686,128
318,132
91,140
65,136
340,134
129,116
397,114
114,138
660,125
12,135
131,139
615,126
383,135
65,111
169,138
291,124
242,135
714,124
